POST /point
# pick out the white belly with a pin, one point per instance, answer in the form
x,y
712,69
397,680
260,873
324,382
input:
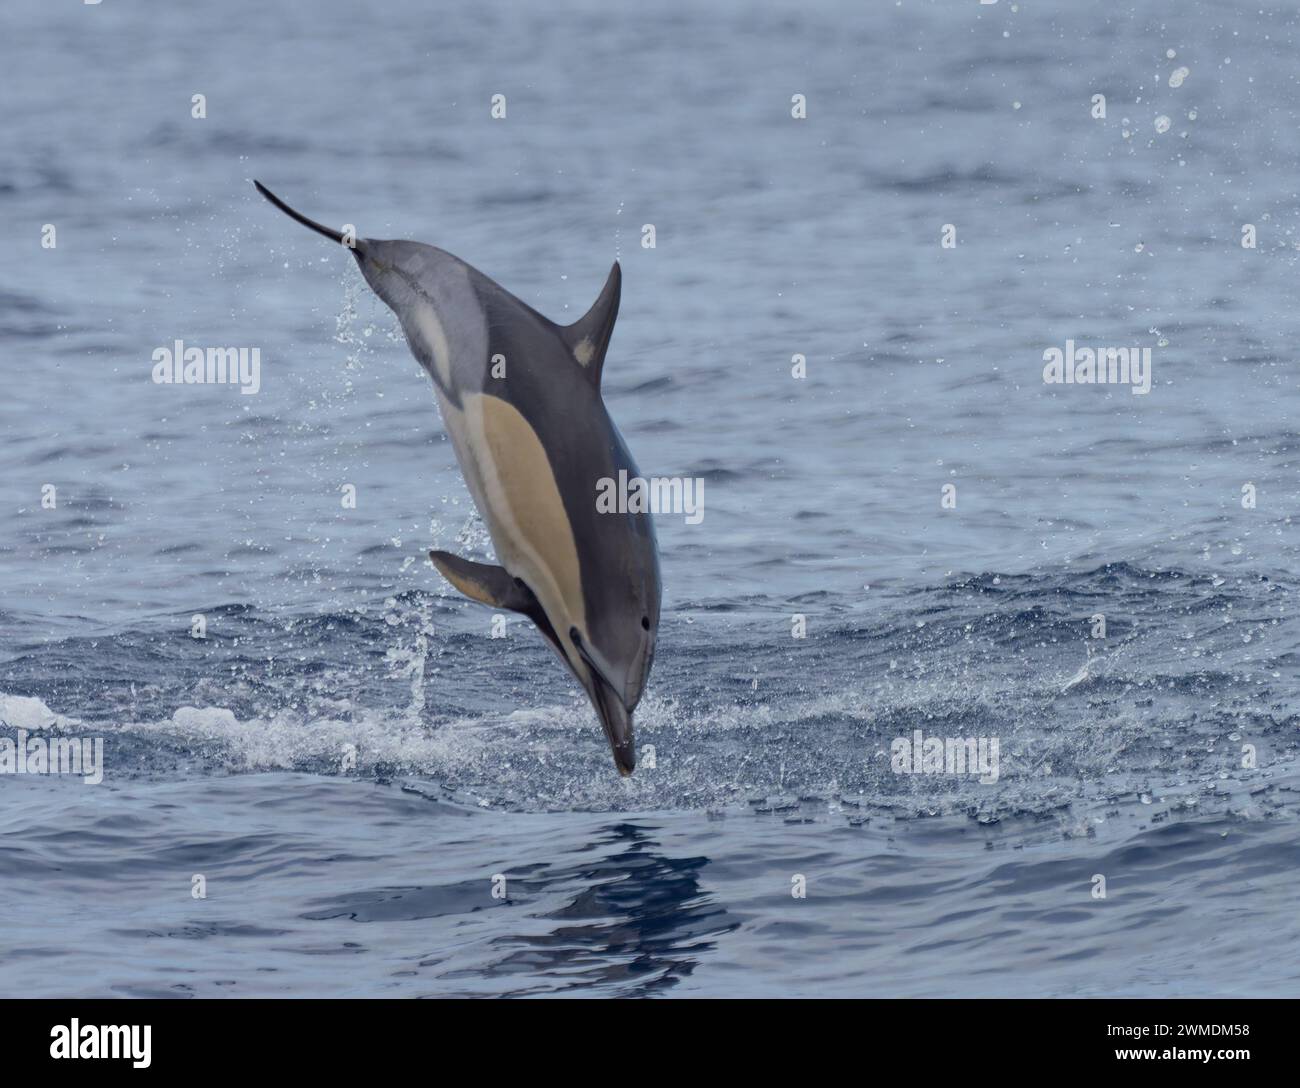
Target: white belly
x,y
510,478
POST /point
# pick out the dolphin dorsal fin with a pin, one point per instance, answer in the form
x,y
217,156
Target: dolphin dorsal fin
x,y
588,337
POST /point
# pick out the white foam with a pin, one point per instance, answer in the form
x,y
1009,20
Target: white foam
x,y
28,712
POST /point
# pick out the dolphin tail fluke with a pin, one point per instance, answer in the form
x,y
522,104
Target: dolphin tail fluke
x,y
333,235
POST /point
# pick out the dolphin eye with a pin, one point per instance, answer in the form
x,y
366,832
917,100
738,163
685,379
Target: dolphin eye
x,y
645,623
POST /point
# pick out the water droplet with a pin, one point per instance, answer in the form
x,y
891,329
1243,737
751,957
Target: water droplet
x,y
1177,76
1162,123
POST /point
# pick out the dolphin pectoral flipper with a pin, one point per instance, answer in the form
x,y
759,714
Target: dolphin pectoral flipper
x,y
494,587
485,583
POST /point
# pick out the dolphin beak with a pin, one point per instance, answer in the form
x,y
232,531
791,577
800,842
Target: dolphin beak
x,y
615,717
332,235
617,722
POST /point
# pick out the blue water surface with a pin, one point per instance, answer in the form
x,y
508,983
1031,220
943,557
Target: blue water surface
x,y
350,766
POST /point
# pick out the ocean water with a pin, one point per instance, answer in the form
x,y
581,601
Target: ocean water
x,y
350,765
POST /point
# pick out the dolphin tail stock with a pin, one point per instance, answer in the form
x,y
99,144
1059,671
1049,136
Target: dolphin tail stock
x,y
332,235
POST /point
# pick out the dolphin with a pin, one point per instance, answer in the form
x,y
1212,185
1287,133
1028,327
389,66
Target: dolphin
x,y
520,399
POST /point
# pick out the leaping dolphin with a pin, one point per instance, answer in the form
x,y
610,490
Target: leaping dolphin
x,y
520,398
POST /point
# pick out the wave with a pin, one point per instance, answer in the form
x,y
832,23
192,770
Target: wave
x,y
1188,699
